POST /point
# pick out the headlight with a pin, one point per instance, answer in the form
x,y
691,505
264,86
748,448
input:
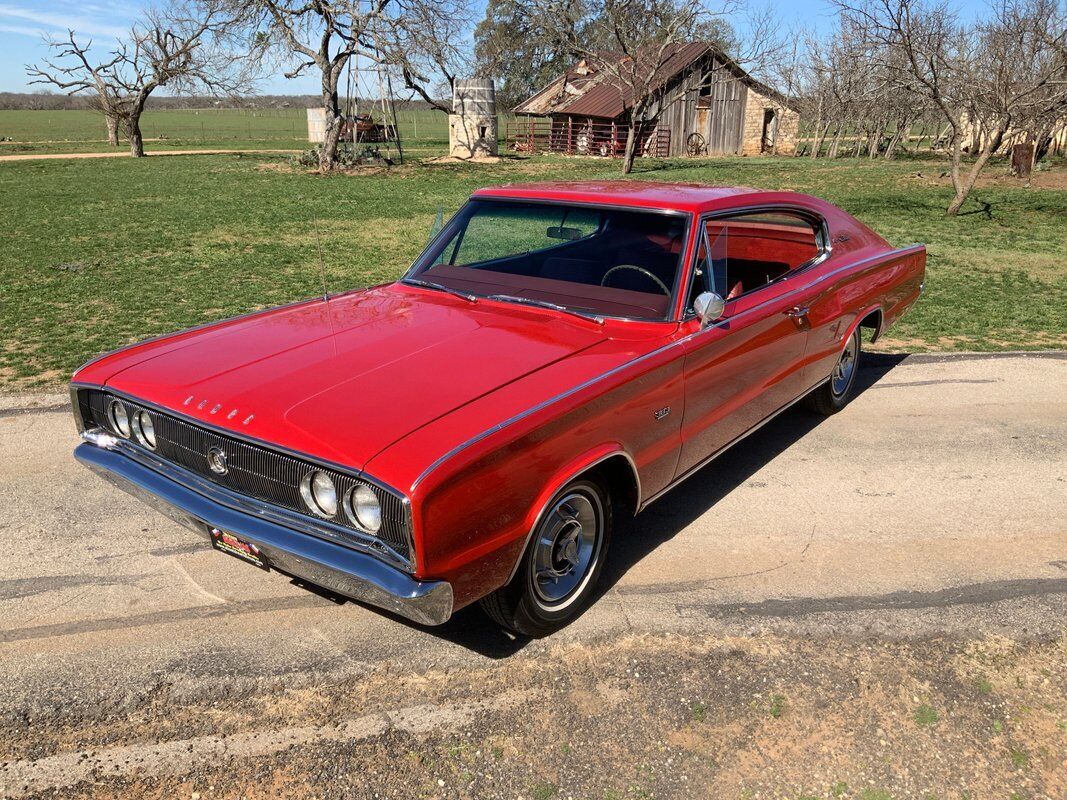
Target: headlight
x,y
319,494
364,509
120,419
145,430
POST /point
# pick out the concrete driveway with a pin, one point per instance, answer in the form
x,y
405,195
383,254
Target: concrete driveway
x,y
868,565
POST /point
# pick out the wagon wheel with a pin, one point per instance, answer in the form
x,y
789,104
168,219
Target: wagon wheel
x,y
695,145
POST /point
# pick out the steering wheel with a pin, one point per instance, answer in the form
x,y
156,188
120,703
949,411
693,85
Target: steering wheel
x,y
659,284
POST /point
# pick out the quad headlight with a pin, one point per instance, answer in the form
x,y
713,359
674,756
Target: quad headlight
x,y
120,418
363,508
144,429
320,494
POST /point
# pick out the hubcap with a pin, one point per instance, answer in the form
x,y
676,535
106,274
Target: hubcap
x,y
566,548
846,365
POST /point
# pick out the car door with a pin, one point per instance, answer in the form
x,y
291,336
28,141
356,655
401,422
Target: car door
x,y
748,364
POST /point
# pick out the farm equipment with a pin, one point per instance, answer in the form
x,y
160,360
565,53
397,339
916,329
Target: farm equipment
x,y
362,128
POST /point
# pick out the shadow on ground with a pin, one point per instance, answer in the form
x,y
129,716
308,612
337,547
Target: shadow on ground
x,y
638,537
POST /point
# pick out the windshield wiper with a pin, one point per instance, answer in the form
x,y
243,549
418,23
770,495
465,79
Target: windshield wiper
x,y
526,301
470,298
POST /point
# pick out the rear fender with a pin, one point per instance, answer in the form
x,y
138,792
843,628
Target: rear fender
x,y
862,315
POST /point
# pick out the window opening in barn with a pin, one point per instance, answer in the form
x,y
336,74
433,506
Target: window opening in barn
x,y
770,130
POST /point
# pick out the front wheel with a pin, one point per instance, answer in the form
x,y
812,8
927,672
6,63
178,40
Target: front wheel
x,y
561,565
834,395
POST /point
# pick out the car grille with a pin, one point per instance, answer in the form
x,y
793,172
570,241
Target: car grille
x,y
254,470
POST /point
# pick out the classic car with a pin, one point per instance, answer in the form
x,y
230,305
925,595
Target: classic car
x,y
560,356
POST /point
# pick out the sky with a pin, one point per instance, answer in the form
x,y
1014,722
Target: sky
x,y
24,24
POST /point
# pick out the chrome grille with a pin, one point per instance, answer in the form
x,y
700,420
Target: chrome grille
x,y
256,471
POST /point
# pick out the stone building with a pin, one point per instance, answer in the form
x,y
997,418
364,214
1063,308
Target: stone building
x,y
707,105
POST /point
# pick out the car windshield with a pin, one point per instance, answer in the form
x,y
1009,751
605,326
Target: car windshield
x,y
595,261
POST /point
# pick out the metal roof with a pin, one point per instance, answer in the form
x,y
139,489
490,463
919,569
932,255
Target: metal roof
x,y
588,93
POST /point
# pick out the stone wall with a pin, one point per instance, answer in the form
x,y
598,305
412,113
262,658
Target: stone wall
x,y
471,136
752,131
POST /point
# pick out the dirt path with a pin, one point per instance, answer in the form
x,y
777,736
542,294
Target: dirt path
x,y
125,154
869,606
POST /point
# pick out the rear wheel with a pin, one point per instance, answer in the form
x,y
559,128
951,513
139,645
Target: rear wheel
x,y
834,395
561,565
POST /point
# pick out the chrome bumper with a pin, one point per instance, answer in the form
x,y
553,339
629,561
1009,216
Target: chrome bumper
x,y
342,570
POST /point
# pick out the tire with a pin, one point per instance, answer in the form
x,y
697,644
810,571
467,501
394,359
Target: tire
x,y
562,563
836,392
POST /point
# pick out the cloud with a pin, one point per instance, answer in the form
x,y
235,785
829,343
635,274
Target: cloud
x,y
22,30
55,22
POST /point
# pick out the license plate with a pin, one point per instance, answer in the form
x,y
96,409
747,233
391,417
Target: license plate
x,y
238,547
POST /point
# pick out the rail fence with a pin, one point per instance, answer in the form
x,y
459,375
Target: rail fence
x,y
583,138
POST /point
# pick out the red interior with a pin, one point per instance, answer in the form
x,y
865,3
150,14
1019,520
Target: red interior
x,y
791,245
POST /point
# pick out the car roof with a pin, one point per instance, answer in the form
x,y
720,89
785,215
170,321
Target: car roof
x,y
691,197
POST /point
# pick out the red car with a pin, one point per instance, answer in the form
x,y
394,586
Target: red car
x,y
559,357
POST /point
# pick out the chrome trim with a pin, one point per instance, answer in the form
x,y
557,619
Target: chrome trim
x,y
342,570
703,463
556,491
677,342
314,526
347,470
100,438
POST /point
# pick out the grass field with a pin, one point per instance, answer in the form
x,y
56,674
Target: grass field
x,y
273,128
98,253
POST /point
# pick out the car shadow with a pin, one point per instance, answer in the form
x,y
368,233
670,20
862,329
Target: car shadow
x,y
638,537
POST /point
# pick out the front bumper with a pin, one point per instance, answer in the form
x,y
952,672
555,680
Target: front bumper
x,y
340,569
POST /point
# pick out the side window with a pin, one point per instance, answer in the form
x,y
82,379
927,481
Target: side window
x,y
751,250
505,232
709,274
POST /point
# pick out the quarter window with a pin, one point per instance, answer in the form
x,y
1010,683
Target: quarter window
x,y
742,253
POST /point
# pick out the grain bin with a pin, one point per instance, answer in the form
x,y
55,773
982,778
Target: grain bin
x,y
472,127
316,125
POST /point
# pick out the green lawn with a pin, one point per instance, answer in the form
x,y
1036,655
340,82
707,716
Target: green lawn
x,y
98,253
215,129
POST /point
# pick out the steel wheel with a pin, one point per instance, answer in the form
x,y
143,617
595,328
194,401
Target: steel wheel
x,y
566,549
833,394
841,377
561,564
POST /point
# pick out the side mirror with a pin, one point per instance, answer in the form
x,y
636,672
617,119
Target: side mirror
x,y
709,307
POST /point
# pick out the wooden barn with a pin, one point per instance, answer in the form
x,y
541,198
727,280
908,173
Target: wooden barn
x,y
707,105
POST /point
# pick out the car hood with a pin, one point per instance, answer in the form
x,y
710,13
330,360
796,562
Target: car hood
x,y
344,379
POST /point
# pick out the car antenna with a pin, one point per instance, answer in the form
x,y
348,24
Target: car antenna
x,y
322,263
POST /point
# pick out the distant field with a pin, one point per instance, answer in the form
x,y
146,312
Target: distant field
x,y
423,132
98,253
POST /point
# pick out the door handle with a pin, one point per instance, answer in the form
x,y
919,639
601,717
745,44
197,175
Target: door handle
x,y
797,312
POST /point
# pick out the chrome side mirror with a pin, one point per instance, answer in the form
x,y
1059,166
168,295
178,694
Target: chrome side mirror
x,y
709,307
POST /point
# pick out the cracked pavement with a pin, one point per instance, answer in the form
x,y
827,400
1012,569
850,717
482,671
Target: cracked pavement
x,y
907,553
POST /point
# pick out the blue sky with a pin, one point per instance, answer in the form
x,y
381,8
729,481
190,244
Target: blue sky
x,y
24,23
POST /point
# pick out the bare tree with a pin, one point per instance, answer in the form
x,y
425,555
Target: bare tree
x,y
179,46
629,43
990,81
412,38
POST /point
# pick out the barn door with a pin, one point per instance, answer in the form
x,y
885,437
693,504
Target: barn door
x,y
723,100
703,122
